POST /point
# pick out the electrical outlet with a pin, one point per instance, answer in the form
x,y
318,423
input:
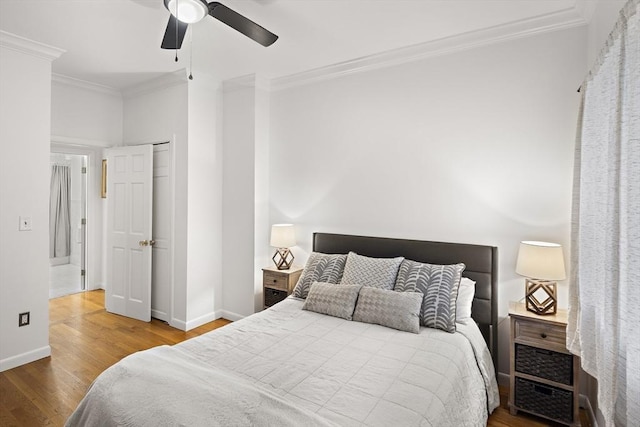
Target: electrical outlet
x,y
25,223
23,319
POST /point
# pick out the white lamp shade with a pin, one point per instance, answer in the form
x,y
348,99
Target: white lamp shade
x,y
283,236
541,260
187,11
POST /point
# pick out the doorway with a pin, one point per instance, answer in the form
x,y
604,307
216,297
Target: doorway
x,y
67,224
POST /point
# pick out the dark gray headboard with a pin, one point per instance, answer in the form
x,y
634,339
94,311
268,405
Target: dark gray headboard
x,y
481,266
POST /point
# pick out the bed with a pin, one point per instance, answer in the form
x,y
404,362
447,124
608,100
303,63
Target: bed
x,y
289,366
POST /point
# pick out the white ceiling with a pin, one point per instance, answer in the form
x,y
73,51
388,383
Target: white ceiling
x,y
116,43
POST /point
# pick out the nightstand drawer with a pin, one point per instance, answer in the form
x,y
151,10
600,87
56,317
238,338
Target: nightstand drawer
x,y
540,333
546,364
545,400
275,280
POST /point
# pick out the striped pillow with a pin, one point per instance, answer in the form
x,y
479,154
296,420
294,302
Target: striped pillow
x,y
319,268
439,285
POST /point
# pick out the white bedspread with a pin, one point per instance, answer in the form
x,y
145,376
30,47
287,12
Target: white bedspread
x,y
166,387
301,368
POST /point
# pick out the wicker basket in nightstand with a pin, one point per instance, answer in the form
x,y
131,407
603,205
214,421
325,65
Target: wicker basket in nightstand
x,y
544,375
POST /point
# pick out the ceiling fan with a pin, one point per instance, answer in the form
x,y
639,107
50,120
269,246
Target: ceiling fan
x,y
185,12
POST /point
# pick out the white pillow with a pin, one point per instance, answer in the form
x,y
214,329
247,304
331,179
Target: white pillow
x,y
466,292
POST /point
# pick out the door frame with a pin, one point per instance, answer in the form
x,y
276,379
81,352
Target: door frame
x,y
93,229
96,238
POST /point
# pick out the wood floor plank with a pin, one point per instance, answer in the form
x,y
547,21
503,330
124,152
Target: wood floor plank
x,y
85,340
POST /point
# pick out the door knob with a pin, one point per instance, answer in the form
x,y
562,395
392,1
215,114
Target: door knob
x,y
144,243
152,242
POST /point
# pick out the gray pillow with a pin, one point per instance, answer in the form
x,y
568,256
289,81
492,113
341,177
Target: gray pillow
x,y
439,284
397,310
334,300
319,268
375,272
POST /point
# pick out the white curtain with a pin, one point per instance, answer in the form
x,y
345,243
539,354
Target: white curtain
x,y
59,207
604,296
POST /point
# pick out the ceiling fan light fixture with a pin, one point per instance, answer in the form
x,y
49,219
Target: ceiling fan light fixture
x,y
188,11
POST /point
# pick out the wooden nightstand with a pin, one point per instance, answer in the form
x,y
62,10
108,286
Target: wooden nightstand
x,y
544,374
278,284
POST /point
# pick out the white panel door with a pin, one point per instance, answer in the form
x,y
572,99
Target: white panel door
x,y
129,227
162,271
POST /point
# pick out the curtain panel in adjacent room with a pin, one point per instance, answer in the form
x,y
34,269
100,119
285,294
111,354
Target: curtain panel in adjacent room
x,y
59,207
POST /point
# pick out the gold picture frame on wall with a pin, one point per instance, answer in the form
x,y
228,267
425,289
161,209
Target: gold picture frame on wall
x,y
103,183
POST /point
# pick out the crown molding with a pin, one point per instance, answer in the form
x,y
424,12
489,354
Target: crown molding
x,y
68,141
162,82
238,83
83,84
30,47
244,82
564,19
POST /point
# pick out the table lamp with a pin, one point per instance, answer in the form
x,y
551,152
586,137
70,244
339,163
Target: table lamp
x,y
542,263
283,237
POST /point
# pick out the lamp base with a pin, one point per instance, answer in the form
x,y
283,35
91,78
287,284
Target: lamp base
x,y
546,301
283,259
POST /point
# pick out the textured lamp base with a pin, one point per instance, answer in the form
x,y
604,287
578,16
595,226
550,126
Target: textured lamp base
x,y
549,298
283,259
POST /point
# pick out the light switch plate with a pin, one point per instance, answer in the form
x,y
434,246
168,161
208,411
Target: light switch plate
x,y
25,223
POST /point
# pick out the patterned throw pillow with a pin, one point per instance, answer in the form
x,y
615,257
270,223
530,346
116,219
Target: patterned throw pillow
x,y
397,310
439,284
319,268
334,300
375,272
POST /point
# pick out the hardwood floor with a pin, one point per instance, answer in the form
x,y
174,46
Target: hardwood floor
x,y
85,340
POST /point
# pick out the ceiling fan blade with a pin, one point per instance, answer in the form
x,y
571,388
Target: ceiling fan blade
x,y
171,40
242,24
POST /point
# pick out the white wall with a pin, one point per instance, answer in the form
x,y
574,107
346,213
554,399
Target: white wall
x,y
86,114
262,221
475,146
245,202
156,111
25,121
238,197
204,250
